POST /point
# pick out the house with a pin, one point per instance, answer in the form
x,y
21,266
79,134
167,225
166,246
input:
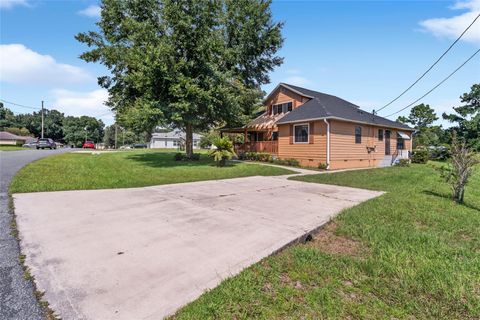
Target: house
x,y
172,139
7,138
319,129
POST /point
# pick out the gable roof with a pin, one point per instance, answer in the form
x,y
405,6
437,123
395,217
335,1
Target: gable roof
x,y
326,106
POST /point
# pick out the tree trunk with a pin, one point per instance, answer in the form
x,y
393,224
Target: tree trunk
x,y
189,140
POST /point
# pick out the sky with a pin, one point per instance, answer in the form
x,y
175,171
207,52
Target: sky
x,y
366,52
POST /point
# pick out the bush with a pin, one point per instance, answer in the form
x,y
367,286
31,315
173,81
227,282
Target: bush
x,y
403,163
322,166
420,156
288,162
182,156
256,156
179,156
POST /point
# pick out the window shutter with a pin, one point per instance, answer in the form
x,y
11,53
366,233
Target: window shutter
x,y
291,134
312,131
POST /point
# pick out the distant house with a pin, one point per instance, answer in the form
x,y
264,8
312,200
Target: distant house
x,y
7,138
174,139
319,129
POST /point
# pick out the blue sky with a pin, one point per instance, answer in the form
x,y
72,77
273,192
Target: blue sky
x,y
366,52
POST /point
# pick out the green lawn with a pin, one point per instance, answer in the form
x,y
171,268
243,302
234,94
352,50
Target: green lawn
x,y
78,171
11,148
409,254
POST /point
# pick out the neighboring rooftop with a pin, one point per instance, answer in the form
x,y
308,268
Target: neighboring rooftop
x,y
174,134
322,105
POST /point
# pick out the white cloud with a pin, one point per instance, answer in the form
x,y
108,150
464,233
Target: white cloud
x,y
7,4
92,11
20,65
297,81
77,103
454,26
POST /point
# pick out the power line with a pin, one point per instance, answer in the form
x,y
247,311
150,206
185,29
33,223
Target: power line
x,y
20,105
438,85
431,67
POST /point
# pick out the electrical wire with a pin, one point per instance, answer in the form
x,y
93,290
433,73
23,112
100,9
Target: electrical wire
x,y
431,67
20,105
438,85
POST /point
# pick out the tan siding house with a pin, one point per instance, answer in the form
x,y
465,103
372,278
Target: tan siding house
x,y
321,129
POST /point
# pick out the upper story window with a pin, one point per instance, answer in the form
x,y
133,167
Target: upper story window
x,y
301,133
380,134
282,107
358,134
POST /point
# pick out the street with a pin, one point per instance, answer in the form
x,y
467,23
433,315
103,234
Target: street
x,y
17,300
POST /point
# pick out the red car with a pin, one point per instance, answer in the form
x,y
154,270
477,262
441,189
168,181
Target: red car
x,y
88,145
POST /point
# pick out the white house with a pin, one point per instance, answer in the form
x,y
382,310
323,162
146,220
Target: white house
x,y
172,140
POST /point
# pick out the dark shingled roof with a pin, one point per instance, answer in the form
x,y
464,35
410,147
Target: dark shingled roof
x,y
327,106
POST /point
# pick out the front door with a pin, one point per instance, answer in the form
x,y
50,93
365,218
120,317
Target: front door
x,y
387,142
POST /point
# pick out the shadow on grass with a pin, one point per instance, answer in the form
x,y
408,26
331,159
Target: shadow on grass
x,y
449,197
166,160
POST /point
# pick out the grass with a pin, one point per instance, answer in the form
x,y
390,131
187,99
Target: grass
x,y
81,171
410,254
11,148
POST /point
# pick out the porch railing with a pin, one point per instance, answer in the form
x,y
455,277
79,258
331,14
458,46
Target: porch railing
x,y
258,146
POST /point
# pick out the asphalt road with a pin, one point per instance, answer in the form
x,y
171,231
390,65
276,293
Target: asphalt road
x,y
17,301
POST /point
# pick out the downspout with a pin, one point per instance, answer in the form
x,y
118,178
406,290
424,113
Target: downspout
x,y
328,143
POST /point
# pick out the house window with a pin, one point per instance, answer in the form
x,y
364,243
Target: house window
x,y
380,134
282,107
400,144
358,134
175,143
275,135
301,133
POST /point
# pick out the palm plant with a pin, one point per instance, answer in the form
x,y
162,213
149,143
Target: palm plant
x,y
224,151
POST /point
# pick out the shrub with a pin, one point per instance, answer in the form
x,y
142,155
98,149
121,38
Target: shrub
x,y
288,162
322,166
195,157
403,163
223,152
420,156
257,156
179,156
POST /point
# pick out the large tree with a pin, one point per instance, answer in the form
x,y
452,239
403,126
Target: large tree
x,y
53,123
79,129
422,117
467,117
192,64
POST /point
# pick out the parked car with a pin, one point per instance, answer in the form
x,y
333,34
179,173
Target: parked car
x,y
139,146
32,144
88,145
43,143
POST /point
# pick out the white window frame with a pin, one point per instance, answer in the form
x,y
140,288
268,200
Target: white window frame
x,y
308,133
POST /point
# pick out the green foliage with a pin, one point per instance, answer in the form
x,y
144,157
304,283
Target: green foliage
x,y
421,116
403,163
183,157
257,156
207,140
420,156
322,166
124,137
18,131
224,151
192,64
288,162
79,129
467,118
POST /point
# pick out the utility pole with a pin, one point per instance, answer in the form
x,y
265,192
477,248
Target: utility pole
x,y
116,136
42,119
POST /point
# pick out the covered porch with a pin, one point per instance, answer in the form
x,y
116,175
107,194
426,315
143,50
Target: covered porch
x,y
255,140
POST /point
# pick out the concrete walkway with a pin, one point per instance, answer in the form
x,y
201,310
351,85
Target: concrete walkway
x,y
143,253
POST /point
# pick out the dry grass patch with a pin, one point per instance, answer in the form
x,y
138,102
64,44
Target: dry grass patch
x,y
327,241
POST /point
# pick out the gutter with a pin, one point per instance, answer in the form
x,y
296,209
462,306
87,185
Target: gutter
x,y
347,120
328,142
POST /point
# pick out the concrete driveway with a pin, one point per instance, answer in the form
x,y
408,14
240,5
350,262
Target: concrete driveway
x,y
143,253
